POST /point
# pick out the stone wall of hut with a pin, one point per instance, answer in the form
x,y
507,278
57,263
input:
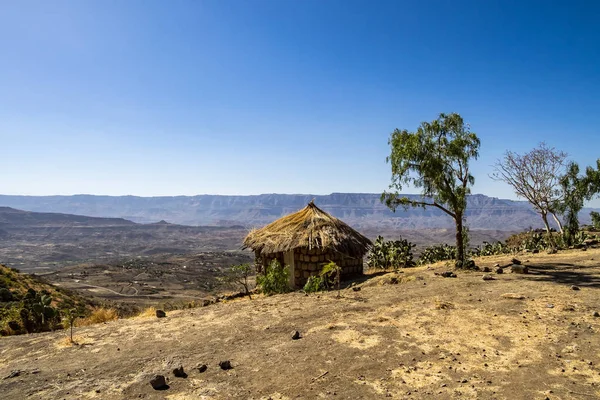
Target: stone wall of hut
x,y
310,262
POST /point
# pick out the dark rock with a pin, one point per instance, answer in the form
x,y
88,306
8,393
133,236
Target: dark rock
x,y
448,274
487,269
295,335
515,261
202,368
488,278
14,325
160,314
225,365
499,270
394,280
574,287
13,374
535,251
519,269
596,314
158,382
179,372
356,288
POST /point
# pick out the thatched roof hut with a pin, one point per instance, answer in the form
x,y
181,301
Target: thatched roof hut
x,y
307,239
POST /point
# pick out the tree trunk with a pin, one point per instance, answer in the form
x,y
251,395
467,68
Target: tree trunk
x,y
460,257
550,237
560,228
545,218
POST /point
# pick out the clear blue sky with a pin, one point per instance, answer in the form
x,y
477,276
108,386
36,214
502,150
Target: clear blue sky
x,y
246,97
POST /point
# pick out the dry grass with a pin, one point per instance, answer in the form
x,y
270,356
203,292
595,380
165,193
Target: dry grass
x,y
98,316
443,305
310,228
147,313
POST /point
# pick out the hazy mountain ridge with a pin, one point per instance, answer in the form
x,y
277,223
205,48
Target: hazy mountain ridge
x,y
362,210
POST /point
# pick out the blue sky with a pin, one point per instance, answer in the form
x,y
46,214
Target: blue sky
x,y
247,97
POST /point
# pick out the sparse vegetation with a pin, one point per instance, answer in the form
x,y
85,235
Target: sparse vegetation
x,y
240,274
314,284
98,316
332,272
535,176
275,279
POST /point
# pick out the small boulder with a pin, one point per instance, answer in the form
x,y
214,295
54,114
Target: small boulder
x,y
487,269
448,274
158,382
596,314
356,288
225,365
574,287
516,261
179,372
488,278
202,368
519,269
295,335
499,270
535,251
160,314
552,250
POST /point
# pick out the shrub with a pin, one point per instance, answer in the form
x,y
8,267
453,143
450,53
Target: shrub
x,y
440,252
240,274
98,316
491,249
332,271
387,254
314,284
275,279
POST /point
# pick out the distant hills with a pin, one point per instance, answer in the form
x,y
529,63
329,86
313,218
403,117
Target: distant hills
x,y
361,210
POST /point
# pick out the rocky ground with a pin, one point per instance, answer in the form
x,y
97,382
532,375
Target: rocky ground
x,y
411,335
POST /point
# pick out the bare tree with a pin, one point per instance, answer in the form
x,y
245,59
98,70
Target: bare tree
x,y
535,176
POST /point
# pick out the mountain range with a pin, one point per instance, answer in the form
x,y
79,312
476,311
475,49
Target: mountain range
x,y
361,210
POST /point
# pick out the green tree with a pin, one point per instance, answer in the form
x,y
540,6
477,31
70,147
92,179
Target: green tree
x,y
435,159
576,190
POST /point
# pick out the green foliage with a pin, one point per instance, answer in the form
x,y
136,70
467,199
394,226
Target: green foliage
x,y
440,252
332,272
275,279
6,295
314,284
435,159
37,313
491,249
595,219
390,254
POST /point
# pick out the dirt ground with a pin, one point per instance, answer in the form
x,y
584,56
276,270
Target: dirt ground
x,y
426,337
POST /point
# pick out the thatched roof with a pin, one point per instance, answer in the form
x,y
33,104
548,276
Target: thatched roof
x,y
310,227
